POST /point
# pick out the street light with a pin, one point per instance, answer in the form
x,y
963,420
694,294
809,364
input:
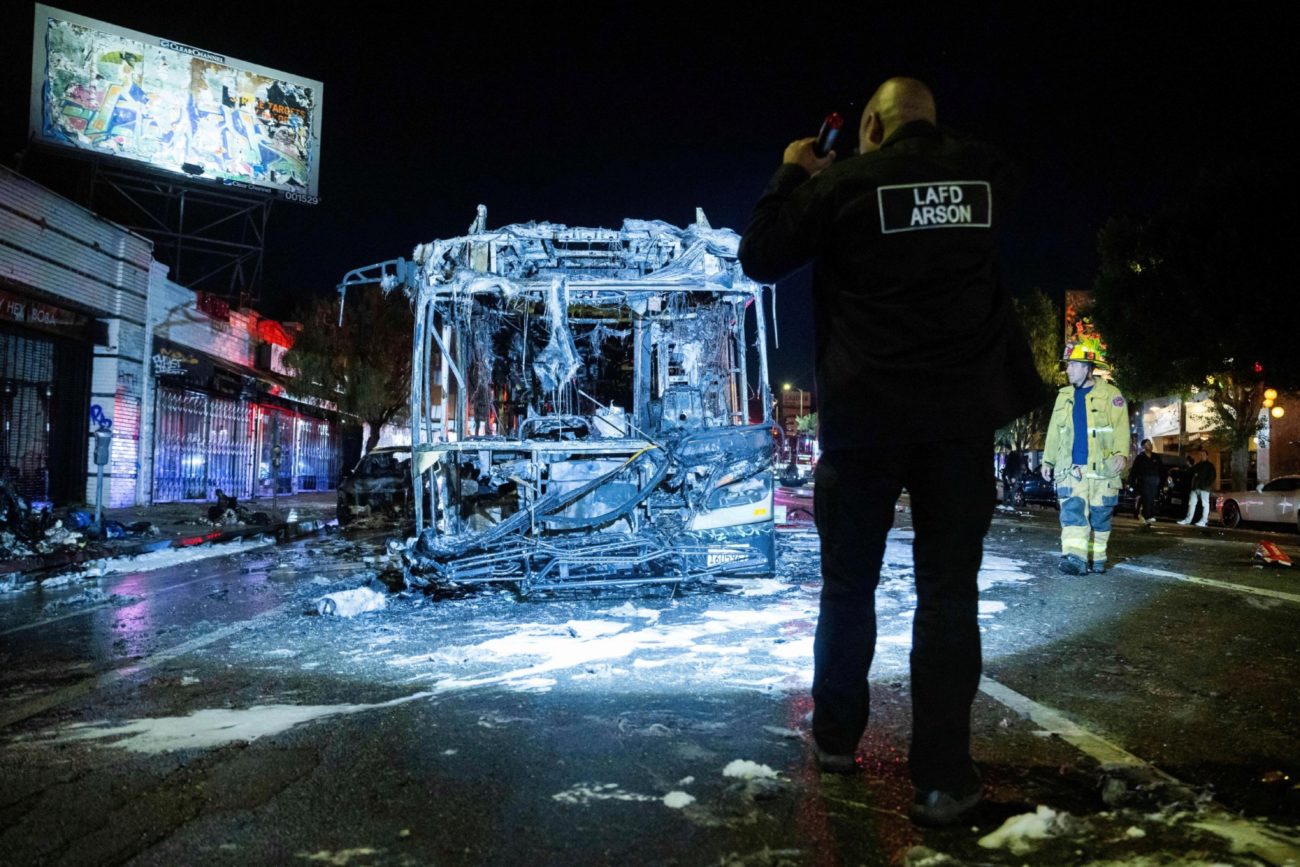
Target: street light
x,y
796,436
788,387
1270,403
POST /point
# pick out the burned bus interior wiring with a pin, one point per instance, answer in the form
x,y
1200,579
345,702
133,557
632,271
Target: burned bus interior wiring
x,y
589,407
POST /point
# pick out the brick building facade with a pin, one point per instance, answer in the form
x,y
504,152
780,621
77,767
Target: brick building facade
x,y
94,336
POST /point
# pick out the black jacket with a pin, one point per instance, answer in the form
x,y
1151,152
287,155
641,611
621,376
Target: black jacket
x,y
1203,476
916,336
1144,467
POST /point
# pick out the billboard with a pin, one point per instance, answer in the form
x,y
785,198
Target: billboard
x,y
104,89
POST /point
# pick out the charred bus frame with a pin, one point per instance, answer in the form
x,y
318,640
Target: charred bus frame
x,y
580,406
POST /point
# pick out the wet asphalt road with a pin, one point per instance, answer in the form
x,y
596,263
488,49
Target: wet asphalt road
x,y
203,714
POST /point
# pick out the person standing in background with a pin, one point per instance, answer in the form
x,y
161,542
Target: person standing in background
x,y
1144,476
1086,450
1203,476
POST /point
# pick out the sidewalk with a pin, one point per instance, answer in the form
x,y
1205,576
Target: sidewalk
x,y
176,525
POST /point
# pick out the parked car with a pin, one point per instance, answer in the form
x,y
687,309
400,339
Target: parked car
x,y
1172,494
1029,488
798,471
380,485
1177,491
1274,502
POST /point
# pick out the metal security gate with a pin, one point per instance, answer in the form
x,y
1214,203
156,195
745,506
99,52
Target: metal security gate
x,y
314,456
274,439
178,450
230,447
202,443
27,373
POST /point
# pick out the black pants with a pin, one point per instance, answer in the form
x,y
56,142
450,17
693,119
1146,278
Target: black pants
x,y
1147,487
952,496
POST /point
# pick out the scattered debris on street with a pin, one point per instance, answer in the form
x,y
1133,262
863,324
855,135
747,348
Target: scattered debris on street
x,y
227,511
1271,554
350,603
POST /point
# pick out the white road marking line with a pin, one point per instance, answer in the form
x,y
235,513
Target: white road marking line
x,y
89,685
1263,843
1072,733
1209,582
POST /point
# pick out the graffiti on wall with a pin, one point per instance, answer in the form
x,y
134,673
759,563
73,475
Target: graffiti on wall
x,y
171,360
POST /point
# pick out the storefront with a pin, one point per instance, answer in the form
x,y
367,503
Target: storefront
x,y
219,427
1184,426
73,295
45,358
309,451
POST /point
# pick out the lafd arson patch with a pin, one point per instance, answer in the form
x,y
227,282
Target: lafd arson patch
x,y
935,205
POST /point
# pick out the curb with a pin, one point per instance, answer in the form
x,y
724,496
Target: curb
x,y
33,569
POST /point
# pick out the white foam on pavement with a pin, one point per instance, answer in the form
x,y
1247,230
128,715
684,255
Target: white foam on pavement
x,y
770,640
1017,832
155,560
212,727
585,793
746,770
677,800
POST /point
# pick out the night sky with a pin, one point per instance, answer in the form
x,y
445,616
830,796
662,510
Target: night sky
x,y
586,114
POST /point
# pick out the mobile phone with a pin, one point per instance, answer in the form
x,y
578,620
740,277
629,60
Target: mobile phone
x,y
829,132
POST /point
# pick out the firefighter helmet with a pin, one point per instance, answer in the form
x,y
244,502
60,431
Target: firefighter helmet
x,y
1088,350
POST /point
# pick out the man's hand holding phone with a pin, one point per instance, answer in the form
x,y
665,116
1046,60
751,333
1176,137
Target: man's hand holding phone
x,y
800,153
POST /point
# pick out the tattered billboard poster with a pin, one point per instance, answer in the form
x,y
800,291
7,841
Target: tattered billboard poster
x,y
108,90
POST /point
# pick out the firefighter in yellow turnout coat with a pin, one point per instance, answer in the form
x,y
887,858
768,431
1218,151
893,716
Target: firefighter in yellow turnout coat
x,y
1086,451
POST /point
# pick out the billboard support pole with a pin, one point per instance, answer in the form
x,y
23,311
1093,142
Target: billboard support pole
x,y
213,239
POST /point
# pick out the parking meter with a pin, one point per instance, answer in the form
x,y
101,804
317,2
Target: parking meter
x,y
103,447
103,450
276,453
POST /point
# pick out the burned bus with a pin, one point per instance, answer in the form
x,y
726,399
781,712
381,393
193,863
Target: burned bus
x,y
589,407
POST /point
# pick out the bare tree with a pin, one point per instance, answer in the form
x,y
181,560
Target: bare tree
x,y
1041,319
363,365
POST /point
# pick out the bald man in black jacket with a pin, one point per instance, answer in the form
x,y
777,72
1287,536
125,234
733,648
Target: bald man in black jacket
x,y
919,358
